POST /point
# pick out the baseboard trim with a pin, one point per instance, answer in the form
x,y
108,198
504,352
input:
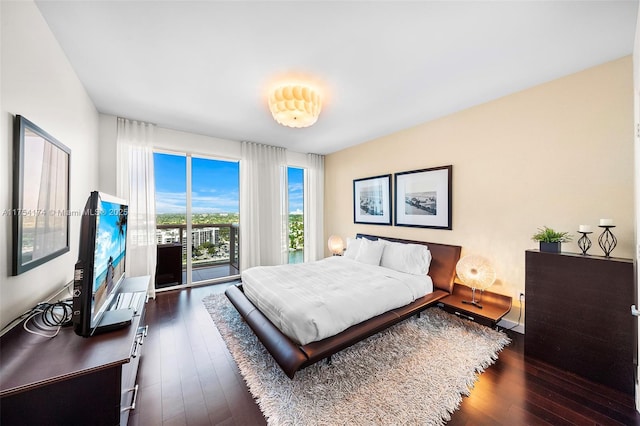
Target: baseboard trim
x,y
511,325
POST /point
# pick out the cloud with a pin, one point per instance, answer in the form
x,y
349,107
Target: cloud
x,y
171,202
176,202
296,199
213,202
296,187
105,248
223,203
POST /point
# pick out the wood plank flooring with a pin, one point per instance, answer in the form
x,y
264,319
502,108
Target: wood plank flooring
x,y
188,377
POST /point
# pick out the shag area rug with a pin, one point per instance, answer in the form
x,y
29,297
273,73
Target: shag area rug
x,y
413,373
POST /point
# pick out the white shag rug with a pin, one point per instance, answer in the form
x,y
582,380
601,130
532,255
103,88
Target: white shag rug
x,y
413,373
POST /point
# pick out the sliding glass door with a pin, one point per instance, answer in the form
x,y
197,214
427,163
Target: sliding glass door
x,y
215,217
197,205
171,218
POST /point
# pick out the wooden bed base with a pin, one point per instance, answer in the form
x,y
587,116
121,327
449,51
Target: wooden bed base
x,y
292,357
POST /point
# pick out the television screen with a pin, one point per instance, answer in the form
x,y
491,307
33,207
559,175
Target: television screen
x,y
109,252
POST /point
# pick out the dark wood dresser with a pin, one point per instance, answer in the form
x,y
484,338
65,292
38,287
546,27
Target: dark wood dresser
x,y
72,380
578,315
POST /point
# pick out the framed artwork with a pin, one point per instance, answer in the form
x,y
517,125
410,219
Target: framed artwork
x,y
423,198
40,196
372,200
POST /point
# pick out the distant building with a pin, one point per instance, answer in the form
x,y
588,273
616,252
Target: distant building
x,y
199,236
168,236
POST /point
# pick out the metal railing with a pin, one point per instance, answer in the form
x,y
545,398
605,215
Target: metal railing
x,y
213,244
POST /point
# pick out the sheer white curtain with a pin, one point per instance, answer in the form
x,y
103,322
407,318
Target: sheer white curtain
x,y
314,208
263,206
135,183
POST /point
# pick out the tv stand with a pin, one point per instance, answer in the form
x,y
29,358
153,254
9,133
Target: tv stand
x,y
69,379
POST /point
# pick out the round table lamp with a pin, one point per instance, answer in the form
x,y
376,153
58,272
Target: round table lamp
x,y
336,246
475,272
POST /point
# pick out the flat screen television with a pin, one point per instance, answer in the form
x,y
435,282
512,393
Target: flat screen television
x,y
100,268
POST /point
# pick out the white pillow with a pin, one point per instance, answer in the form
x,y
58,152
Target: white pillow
x,y
353,246
409,258
370,252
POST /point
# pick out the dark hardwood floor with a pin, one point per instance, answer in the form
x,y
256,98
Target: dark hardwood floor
x,y
187,377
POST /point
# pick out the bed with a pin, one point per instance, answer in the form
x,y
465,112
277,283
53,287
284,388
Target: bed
x,y
292,356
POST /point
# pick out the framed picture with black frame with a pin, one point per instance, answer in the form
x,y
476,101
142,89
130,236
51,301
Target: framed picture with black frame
x,y
372,200
423,198
40,196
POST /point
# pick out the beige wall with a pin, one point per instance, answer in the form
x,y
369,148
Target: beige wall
x,y
559,154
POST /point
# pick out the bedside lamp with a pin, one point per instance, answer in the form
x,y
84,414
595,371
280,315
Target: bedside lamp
x,y
336,245
475,272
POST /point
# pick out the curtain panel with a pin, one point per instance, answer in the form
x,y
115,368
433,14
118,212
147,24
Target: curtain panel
x,y
135,183
314,208
263,206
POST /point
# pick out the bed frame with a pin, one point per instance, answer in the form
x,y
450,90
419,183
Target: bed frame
x,y
292,357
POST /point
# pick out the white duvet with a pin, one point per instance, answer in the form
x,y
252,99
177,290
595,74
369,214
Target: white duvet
x,y
315,300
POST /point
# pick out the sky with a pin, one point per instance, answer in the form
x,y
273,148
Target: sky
x,y
295,179
215,185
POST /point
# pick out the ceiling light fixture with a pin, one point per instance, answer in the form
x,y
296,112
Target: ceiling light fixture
x,y
295,105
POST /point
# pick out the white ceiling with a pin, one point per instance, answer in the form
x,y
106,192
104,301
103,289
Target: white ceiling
x,y
205,67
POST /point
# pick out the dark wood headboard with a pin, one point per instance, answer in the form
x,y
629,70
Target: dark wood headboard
x,y
444,258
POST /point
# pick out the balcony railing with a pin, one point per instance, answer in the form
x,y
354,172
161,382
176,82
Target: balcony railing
x,y
212,244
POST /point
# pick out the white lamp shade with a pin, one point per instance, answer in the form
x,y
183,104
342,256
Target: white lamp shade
x,y
475,272
336,245
295,105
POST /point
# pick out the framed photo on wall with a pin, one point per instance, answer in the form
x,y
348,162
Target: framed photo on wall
x,y
423,198
40,196
372,200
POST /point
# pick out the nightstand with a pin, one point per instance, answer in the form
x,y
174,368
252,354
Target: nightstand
x,y
494,305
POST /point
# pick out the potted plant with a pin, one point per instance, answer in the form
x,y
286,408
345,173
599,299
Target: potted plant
x,y
550,240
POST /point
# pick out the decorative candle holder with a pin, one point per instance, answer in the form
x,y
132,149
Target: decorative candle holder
x,y
607,240
584,242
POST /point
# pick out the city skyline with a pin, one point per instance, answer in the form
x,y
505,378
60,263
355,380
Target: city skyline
x,y
215,185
